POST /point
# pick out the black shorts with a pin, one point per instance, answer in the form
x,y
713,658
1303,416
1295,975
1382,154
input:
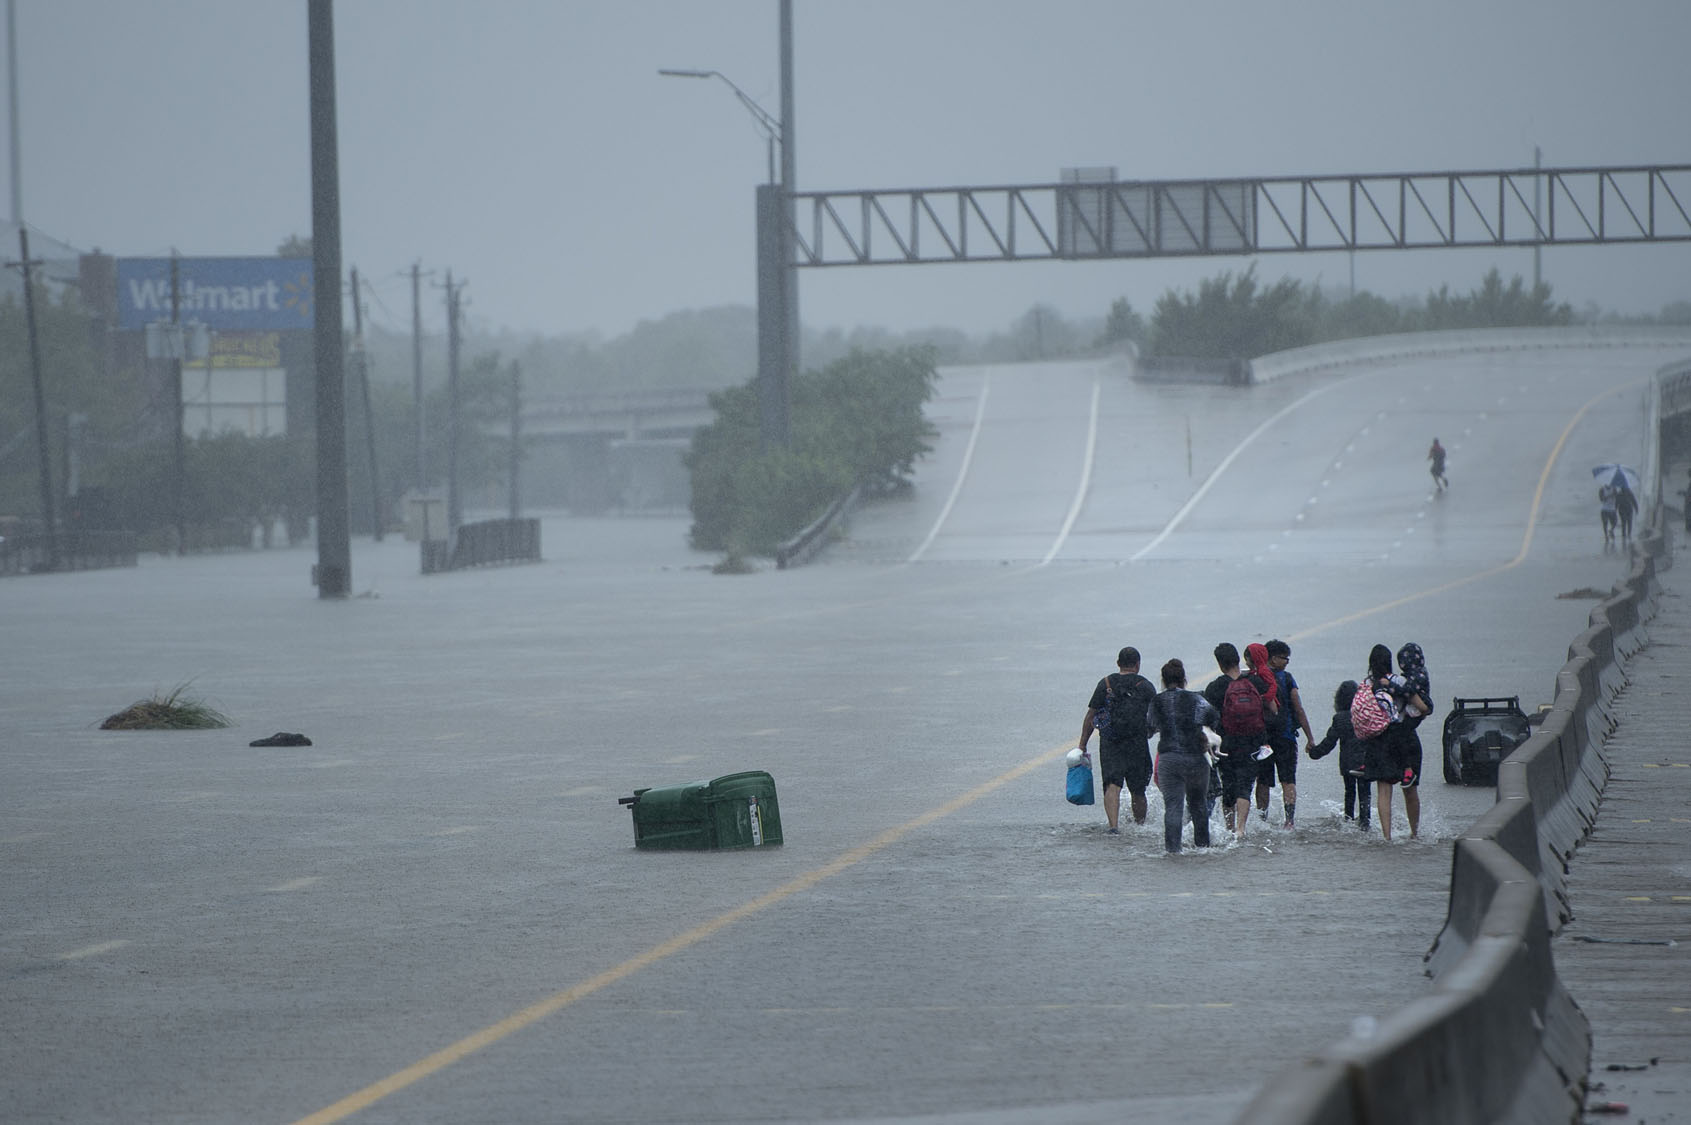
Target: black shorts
x,y
1238,777
1126,764
1283,765
1409,756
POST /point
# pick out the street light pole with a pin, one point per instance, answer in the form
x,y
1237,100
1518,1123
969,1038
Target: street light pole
x,y
777,273
772,131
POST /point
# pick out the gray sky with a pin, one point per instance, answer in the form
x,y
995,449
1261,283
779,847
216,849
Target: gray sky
x,y
530,145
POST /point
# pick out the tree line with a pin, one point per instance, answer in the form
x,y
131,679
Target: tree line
x,y
743,499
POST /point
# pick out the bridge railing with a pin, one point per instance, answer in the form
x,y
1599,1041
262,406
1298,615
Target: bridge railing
x,y
802,547
485,543
77,550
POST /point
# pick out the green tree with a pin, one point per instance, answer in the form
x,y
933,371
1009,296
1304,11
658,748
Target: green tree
x,y
857,421
1493,305
1123,325
1228,318
73,383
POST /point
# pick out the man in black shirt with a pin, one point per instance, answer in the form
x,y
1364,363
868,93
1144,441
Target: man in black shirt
x,y
1227,659
1117,711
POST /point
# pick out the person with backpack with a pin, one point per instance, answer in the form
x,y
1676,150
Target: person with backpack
x,y
1179,717
1377,714
1227,660
1342,734
1247,703
1283,736
1117,712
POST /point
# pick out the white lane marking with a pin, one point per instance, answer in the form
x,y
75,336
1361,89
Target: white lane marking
x,y
457,830
582,791
294,884
1085,474
93,950
1215,473
962,472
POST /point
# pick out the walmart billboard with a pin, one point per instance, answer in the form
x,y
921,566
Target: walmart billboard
x,y
224,294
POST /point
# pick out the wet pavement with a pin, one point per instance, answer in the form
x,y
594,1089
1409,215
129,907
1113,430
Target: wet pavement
x,y
1626,955
436,913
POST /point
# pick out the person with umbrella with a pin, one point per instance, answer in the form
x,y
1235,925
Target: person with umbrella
x,y
1617,499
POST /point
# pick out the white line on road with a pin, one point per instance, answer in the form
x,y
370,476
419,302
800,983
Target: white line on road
x,y
1215,474
1085,475
299,884
93,950
962,473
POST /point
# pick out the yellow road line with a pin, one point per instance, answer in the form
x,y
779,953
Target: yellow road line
x,y
538,1011
1526,539
93,950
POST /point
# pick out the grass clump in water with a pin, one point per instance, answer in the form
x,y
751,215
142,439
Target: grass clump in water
x,y
167,712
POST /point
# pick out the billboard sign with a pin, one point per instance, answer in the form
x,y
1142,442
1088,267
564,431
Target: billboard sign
x,y
224,294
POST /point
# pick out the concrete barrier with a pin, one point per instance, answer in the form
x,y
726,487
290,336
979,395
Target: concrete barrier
x,y
1409,345
1498,1039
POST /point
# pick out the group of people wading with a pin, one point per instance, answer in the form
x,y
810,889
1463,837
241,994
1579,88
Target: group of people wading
x,y
1239,737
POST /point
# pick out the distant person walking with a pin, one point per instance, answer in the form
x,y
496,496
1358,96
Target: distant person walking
x,y
1607,511
1626,506
1117,711
1341,733
1182,770
1436,456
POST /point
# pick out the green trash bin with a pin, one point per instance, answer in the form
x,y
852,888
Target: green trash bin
x,y
737,810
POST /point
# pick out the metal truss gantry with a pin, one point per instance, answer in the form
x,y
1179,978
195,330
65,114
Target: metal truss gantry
x,y
1107,218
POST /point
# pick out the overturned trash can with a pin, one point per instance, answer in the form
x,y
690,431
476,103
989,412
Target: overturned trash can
x,y
737,810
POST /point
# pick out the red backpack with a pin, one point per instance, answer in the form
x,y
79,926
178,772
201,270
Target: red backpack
x,y
1241,708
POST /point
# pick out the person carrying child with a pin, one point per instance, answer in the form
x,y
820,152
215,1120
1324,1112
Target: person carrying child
x,y
1352,755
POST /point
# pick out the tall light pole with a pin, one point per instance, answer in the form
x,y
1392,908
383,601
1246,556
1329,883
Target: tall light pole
x,y
12,108
777,273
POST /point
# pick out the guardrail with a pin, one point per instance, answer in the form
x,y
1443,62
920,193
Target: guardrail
x,y
1318,357
802,547
1498,1039
485,543
77,550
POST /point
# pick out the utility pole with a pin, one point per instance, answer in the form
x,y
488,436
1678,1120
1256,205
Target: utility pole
x,y
417,372
333,573
454,512
361,359
49,518
179,469
516,437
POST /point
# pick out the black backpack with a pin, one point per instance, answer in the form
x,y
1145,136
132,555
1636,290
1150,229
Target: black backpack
x,y
1122,716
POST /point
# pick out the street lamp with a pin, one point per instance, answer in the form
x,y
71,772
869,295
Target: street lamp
x,y
768,123
777,277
